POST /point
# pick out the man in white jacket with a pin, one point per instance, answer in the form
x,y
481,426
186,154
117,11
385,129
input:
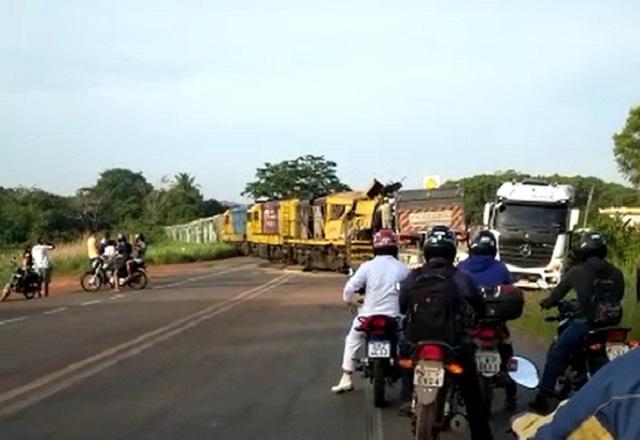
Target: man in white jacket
x,y
379,279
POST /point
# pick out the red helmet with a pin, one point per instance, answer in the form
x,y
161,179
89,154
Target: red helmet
x,y
385,238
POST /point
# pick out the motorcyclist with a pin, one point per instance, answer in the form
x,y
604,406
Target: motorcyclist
x,y
380,277
585,279
139,247
439,253
123,254
487,271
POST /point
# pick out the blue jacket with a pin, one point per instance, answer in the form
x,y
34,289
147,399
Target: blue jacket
x,y
486,270
607,407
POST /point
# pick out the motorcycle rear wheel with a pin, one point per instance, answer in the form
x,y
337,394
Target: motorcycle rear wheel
x,y
29,294
486,393
138,280
426,422
91,282
379,384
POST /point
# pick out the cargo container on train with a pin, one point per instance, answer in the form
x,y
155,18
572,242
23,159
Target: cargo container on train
x,y
418,210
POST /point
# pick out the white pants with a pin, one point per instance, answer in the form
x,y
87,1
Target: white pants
x,y
352,343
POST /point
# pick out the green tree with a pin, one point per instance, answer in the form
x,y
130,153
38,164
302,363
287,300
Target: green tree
x,y
299,178
184,200
627,147
118,196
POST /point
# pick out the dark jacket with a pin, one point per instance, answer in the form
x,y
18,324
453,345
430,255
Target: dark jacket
x,y
581,278
486,270
467,288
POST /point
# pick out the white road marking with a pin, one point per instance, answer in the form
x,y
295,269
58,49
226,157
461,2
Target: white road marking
x,y
62,379
56,310
117,296
200,277
93,301
12,320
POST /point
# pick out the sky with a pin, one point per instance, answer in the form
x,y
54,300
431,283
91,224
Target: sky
x,y
393,90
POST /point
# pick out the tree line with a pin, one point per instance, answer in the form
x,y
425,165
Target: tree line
x,y
120,198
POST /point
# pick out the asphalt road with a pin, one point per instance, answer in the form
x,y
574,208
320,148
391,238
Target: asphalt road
x,y
236,352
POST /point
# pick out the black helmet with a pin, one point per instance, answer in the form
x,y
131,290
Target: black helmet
x,y
484,243
440,242
592,244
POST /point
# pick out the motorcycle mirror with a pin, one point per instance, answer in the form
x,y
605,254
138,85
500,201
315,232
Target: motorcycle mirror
x,y
524,372
351,272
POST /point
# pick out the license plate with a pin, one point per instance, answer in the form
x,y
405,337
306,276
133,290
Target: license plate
x,y
614,351
488,362
379,349
430,376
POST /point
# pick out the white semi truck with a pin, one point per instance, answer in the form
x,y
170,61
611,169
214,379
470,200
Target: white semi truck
x,y
533,222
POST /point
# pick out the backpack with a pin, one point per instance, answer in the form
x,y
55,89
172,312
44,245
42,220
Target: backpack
x,y
606,306
433,304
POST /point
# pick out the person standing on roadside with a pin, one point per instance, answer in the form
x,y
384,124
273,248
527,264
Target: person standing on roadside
x,y
42,264
92,246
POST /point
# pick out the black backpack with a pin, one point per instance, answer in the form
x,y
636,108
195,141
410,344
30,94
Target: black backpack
x,y
606,308
433,301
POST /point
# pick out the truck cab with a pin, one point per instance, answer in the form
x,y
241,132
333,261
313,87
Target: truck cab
x,y
533,222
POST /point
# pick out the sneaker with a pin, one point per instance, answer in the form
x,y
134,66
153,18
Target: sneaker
x,y
344,386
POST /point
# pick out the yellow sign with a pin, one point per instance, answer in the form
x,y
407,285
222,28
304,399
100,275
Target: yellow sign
x,y
431,182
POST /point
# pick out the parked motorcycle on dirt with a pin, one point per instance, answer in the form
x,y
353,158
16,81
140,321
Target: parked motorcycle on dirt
x,y
438,403
599,347
24,281
380,365
100,274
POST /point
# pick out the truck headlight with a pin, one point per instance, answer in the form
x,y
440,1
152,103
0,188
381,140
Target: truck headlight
x,y
556,265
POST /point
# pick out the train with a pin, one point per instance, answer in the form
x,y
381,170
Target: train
x,y
334,232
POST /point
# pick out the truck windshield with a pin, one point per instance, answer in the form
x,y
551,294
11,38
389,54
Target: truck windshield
x,y
539,217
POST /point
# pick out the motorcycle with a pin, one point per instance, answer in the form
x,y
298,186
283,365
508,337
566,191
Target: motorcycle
x,y
101,274
437,403
25,281
380,364
502,304
599,347
488,337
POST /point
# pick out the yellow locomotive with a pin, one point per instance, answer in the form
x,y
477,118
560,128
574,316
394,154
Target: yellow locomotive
x,y
331,232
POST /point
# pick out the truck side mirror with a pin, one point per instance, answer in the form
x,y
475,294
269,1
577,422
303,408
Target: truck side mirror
x,y
486,216
574,219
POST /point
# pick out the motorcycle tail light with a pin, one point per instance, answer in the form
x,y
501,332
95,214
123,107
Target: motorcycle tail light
x,y
595,347
455,369
487,333
431,353
378,321
512,365
633,343
405,363
617,335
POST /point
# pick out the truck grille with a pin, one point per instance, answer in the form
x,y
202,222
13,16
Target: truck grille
x,y
526,255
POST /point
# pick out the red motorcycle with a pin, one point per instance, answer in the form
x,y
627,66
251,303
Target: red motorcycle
x,y
380,365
